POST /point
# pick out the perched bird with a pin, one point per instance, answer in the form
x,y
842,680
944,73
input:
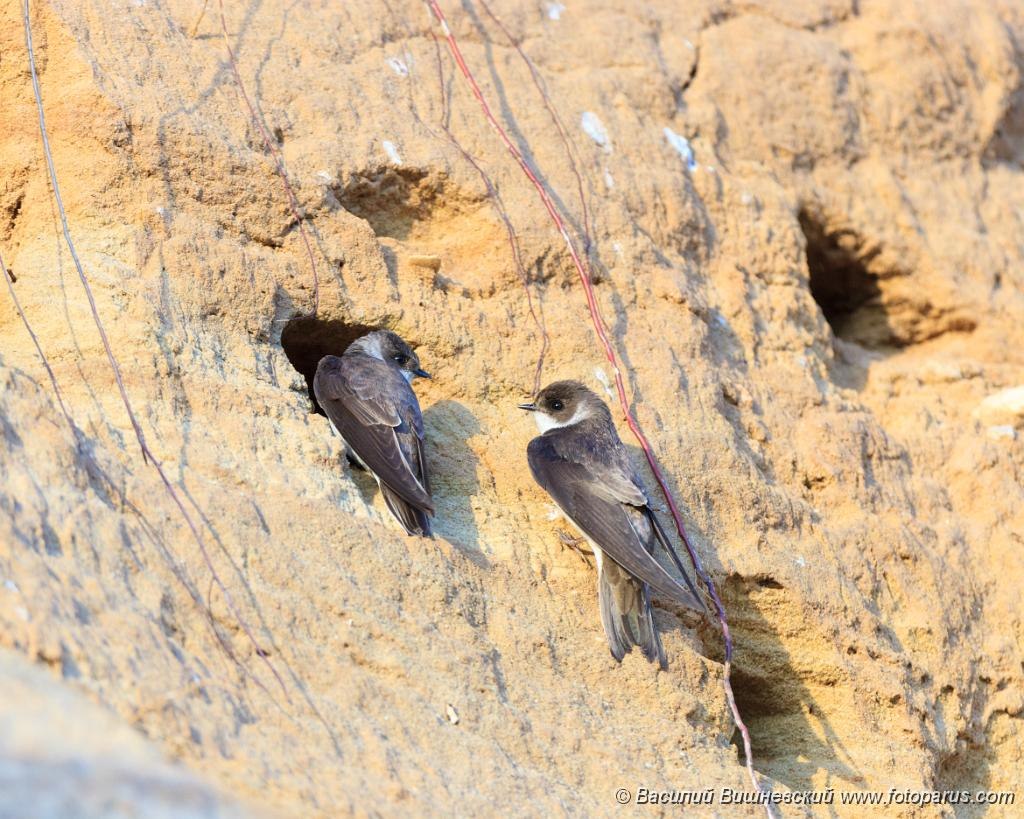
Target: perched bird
x,y
367,395
581,462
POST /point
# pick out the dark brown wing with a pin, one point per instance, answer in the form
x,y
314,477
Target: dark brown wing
x,y
415,520
377,414
607,505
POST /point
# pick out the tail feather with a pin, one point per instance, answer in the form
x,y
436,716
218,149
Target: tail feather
x,y
415,520
626,614
650,641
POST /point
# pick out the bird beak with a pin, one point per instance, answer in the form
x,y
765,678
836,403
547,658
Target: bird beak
x,y
421,373
528,407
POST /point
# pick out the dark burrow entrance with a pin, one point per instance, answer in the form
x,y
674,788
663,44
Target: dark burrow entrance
x,y
307,339
847,292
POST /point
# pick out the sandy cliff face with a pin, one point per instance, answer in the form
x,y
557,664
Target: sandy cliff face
x,y
820,315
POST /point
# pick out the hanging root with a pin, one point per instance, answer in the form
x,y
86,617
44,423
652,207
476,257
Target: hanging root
x,y
609,352
535,309
536,313
293,202
147,454
195,26
556,120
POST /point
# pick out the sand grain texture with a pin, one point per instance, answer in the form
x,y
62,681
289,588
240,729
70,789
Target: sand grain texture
x,y
811,320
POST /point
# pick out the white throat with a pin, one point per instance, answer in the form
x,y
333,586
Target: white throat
x,y
546,422
408,376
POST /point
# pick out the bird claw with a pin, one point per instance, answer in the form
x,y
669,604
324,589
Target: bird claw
x,y
573,542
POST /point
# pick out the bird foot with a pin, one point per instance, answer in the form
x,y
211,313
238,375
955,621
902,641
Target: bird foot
x,y
354,462
575,543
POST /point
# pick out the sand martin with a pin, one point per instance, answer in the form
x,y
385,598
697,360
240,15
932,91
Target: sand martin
x,y
581,462
367,395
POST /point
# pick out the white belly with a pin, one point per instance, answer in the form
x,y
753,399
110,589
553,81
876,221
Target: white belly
x,y
351,452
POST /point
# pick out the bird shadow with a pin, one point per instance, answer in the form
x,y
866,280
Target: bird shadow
x,y
454,471
792,737
788,727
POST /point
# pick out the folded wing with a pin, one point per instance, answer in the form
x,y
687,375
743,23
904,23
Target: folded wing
x,y
601,496
377,414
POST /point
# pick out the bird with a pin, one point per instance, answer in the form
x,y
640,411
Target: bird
x,y
367,394
581,462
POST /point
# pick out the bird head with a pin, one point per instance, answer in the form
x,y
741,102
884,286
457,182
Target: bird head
x,y
392,349
563,404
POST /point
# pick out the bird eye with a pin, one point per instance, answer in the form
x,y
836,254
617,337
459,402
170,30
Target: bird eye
x,y
401,360
557,405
